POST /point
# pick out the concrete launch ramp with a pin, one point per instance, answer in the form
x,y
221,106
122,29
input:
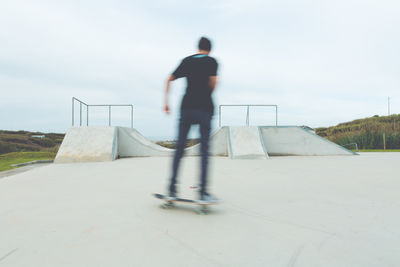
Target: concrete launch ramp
x,y
296,141
255,142
83,144
133,144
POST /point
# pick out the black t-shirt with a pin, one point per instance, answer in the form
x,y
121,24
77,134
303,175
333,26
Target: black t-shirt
x,y
197,69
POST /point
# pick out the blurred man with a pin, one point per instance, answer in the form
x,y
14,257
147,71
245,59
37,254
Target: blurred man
x,y
200,71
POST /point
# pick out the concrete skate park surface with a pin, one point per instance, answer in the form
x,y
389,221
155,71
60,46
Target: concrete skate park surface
x,y
286,211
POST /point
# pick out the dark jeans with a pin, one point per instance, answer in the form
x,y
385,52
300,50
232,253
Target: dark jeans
x,y
188,118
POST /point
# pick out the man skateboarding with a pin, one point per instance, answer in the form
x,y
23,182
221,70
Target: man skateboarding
x,y
200,71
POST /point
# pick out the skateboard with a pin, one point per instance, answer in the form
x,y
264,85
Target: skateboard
x,y
203,208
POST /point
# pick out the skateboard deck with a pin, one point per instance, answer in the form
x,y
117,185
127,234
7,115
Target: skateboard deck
x,y
170,203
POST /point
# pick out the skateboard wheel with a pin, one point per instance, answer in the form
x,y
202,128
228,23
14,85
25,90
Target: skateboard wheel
x,y
202,211
167,205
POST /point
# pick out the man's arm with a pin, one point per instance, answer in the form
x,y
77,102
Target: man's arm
x,y
212,82
167,89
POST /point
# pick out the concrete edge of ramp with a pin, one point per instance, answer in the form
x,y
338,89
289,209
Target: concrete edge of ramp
x,y
246,143
296,141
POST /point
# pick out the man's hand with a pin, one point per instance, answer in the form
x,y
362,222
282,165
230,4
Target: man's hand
x,y
166,109
212,82
168,85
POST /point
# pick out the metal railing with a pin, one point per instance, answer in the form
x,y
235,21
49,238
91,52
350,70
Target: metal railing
x,y
248,111
74,99
356,145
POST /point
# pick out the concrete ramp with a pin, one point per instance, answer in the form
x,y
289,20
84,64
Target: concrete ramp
x,y
236,142
107,143
86,144
133,144
294,140
83,144
246,143
218,144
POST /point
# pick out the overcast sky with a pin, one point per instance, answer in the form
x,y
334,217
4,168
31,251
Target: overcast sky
x,y
322,62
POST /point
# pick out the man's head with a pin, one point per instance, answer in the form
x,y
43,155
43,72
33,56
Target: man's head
x,y
205,44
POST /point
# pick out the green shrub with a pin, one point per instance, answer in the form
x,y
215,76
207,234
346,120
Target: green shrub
x,y
6,148
45,142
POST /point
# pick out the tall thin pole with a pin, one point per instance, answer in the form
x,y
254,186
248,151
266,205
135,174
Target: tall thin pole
x,y
131,116
388,106
80,114
384,141
219,115
109,115
247,117
72,111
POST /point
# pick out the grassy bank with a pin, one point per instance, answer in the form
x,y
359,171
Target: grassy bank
x,y
377,150
24,141
6,160
376,132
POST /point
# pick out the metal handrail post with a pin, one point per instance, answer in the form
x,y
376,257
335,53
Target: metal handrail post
x,y
73,115
109,115
80,114
248,112
101,105
219,116
132,116
247,118
351,144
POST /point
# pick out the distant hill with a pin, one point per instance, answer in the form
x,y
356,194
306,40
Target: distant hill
x,y
24,141
368,133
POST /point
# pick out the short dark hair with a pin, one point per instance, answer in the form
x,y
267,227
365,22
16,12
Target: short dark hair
x,y
205,44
